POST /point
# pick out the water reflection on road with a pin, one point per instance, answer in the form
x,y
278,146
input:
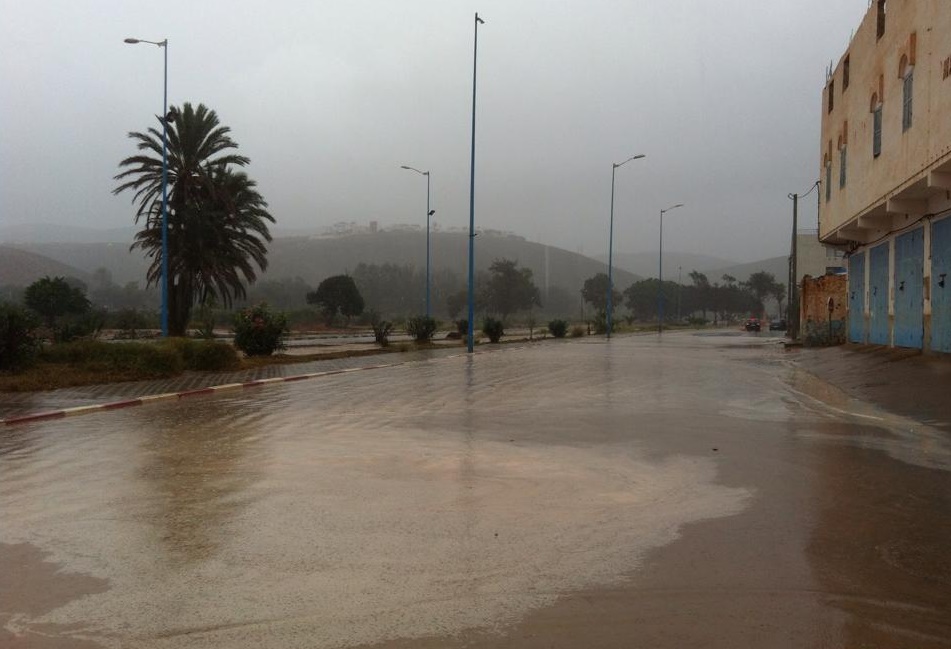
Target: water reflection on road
x,y
409,502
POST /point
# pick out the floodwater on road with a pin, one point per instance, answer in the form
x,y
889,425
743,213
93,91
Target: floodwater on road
x,y
446,499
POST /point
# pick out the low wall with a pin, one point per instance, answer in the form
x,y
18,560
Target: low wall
x,y
819,326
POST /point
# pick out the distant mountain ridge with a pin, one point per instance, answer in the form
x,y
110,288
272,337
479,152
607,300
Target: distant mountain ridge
x,y
315,258
21,267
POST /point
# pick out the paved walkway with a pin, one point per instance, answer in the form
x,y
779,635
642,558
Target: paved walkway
x,y
18,404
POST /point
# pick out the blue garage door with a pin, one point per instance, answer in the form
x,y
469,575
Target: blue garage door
x,y
857,298
878,295
909,293
941,286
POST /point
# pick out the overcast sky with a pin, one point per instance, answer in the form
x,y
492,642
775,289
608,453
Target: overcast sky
x,y
328,99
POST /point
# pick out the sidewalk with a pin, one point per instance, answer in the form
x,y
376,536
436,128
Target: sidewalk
x,y
18,404
902,381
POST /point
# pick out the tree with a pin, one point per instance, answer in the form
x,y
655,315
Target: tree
x,y
595,292
510,288
762,285
53,298
217,220
337,294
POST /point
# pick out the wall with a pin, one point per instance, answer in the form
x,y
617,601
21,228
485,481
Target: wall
x,y
815,316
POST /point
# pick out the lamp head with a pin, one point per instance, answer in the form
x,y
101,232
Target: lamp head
x,y
431,212
132,41
405,167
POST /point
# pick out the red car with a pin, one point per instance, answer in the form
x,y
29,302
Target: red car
x,y
752,324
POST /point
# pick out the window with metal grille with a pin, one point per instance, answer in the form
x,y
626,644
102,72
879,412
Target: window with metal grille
x,y
828,181
907,110
877,131
842,162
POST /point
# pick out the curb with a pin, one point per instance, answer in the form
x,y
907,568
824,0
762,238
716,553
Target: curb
x,y
176,396
188,394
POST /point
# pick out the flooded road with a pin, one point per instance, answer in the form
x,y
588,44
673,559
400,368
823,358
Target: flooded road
x,y
694,491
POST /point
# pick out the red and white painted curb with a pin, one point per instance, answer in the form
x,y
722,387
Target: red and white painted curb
x,y
175,396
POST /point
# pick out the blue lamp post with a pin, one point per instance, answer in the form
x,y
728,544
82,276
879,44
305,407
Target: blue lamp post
x,y
165,118
610,301
472,234
660,271
429,214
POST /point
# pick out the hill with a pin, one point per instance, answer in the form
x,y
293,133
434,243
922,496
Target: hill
x,y
645,263
778,266
315,258
21,267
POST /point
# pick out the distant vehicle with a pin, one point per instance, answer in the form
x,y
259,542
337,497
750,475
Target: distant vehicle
x,y
752,325
777,325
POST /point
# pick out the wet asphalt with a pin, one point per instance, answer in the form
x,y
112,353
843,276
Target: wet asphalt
x,y
690,491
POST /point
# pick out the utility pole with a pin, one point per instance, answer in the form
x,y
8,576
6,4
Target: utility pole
x,y
792,310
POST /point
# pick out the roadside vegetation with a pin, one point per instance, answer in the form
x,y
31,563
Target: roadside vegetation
x,y
221,319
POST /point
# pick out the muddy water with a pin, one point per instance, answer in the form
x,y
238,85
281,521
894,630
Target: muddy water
x,y
442,500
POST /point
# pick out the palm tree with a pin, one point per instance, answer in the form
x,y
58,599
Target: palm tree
x,y
217,220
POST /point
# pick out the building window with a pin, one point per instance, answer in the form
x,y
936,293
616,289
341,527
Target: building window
x,y
876,126
845,73
828,180
907,109
831,95
842,161
881,18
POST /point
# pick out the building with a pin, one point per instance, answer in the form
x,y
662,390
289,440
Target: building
x,y
815,258
885,166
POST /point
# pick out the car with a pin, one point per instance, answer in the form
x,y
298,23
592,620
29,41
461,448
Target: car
x,y
752,324
777,325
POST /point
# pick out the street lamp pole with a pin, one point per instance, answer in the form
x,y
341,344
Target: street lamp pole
x,y
660,271
164,281
472,234
429,214
610,297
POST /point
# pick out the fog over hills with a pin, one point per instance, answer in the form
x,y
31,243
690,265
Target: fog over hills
x,y
315,258
21,267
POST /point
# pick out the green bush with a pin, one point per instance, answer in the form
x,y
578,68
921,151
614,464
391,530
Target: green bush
x,y
381,329
211,356
128,321
258,331
18,344
462,326
421,327
558,328
494,329
147,360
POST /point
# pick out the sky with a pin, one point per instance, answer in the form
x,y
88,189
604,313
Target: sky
x,y
328,99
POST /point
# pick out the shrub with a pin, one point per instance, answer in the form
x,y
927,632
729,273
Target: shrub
x,y
18,344
462,326
577,331
494,329
558,328
212,356
130,320
381,332
421,327
143,359
258,331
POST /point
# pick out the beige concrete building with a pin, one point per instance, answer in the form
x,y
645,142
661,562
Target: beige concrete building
x,y
885,164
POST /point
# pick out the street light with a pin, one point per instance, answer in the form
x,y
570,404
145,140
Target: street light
x,y
472,234
429,214
614,167
660,271
165,119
